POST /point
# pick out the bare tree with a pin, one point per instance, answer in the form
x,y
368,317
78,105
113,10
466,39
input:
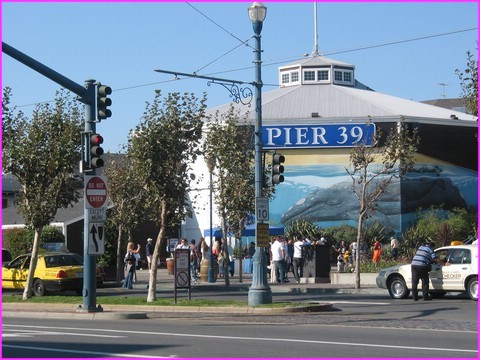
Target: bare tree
x,y
373,168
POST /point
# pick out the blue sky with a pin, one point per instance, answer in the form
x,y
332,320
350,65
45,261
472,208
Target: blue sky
x,y
120,44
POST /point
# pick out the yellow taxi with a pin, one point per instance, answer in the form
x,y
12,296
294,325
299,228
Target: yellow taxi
x,y
55,271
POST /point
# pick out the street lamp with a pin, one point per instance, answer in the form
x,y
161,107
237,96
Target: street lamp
x,y
259,293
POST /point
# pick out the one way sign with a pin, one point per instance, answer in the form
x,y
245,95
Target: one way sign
x,y
96,243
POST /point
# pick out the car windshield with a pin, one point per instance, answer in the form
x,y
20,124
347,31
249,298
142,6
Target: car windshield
x,y
63,260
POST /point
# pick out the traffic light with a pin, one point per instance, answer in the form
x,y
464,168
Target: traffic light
x,y
96,151
103,101
277,168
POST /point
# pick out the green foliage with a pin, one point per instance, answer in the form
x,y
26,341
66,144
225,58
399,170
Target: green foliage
x,y
411,240
42,154
367,266
444,226
346,233
469,83
162,149
20,241
51,234
376,230
303,228
229,153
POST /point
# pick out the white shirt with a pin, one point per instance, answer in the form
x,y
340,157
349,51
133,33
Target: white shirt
x,y
277,253
297,249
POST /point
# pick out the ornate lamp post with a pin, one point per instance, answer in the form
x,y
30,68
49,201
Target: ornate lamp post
x,y
259,293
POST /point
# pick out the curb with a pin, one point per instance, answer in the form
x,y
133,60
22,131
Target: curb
x,y
122,312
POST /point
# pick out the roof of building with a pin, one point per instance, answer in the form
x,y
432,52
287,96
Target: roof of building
x,y
341,103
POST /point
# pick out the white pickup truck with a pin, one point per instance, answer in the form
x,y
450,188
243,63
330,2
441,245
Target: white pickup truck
x,y
456,271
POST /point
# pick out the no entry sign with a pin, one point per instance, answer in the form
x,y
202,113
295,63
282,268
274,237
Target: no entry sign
x,y
95,191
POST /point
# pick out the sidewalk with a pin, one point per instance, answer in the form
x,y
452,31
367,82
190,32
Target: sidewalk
x,y
164,280
165,287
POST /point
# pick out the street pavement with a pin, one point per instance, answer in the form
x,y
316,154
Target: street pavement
x,y
237,290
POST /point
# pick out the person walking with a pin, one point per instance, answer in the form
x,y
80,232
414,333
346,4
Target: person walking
x,y
194,257
377,252
278,258
298,259
129,261
421,266
149,252
394,247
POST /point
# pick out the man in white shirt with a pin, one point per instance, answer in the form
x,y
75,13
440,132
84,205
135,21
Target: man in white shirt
x,y
278,258
298,259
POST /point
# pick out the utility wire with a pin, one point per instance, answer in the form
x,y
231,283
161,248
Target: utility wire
x,y
281,61
228,32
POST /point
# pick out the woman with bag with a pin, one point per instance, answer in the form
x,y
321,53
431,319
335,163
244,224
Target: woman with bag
x,y
129,270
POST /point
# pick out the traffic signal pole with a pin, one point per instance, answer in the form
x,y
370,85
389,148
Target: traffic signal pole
x,y
87,95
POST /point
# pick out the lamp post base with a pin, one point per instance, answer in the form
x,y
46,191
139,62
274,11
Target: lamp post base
x,y
259,293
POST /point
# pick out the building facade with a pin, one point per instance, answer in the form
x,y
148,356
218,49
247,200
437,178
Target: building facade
x,y
315,117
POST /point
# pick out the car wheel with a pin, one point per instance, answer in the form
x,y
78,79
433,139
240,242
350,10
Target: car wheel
x,y
398,289
472,288
39,288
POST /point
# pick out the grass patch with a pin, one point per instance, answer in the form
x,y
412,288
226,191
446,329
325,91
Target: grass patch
x,y
127,300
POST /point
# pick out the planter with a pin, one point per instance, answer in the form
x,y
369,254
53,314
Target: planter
x,y
350,278
170,265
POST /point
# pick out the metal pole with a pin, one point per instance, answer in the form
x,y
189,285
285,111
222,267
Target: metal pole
x,y
211,274
90,262
260,292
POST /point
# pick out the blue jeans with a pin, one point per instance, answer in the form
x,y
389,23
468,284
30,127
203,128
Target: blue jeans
x,y
280,270
128,283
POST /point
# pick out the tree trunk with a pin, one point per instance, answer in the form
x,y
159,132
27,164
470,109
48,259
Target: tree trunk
x,y
152,282
226,257
120,262
27,292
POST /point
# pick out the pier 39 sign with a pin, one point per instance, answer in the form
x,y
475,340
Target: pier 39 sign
x,y
317,136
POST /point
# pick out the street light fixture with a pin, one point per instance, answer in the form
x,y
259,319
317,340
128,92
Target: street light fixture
x,y
259,293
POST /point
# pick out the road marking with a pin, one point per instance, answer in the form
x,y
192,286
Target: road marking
x,y
83,352
246,338
34,332
359,302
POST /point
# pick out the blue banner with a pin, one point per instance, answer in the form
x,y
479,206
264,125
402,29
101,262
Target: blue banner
x,y
317,136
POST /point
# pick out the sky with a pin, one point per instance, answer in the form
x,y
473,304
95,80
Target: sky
x,y
409,50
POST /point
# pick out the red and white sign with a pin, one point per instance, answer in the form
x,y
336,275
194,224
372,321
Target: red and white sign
x,y
95,191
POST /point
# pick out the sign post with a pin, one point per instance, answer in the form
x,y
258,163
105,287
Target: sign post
x,y
96,205
262,209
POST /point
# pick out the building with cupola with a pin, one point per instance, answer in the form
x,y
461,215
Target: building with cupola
x,y
315,116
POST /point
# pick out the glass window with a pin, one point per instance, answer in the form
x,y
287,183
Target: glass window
x,y
347,76
295,76
309,75
338,76
285,78
322,75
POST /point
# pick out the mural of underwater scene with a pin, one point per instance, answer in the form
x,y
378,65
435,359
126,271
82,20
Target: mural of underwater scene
x,y
322,193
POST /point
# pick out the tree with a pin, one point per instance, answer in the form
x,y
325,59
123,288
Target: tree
x,y
391,160
42,154
229,153
469,83
162,150
129,200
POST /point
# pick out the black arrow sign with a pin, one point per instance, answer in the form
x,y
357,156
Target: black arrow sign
x,y
94,231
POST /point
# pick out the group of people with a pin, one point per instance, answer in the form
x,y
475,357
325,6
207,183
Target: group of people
x,y
196,254
287,256
347,254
